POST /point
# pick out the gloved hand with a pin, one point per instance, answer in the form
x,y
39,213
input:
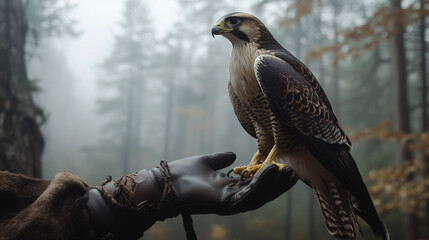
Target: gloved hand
x,y
200,189
131,204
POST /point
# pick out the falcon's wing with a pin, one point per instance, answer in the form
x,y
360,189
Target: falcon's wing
x,y
307,112
302,70
297,99
240,111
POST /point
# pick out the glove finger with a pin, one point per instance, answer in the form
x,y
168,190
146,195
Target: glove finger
x,y
287,174
252,194
257,184
269,183
219,160
285,180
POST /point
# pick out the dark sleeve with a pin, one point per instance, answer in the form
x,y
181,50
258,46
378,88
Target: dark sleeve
x,y
125,207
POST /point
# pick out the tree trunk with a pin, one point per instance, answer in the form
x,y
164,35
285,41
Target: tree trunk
x,y
21,143
288,221
401,111
169,109
126,149
423,80
399,77
311,215
320,42
138,121
132,141
422,69
335,71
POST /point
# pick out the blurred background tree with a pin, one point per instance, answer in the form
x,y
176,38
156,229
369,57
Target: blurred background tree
x,y
23,24
125,83
125,71
21,142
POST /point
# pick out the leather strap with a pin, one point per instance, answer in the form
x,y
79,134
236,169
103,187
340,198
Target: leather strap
x,y
167,193
187,222
140,193
167,199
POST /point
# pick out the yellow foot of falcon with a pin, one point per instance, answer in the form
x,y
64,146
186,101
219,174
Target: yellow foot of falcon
x,y
254,166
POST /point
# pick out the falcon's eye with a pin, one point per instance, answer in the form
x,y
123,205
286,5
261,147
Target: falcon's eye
x,y
233,20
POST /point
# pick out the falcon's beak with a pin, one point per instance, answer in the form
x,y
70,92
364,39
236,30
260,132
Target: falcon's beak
x,y
219,29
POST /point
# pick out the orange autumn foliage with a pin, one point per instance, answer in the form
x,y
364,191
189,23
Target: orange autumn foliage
x,y
391,187
383,131
355,41
302,8
377,29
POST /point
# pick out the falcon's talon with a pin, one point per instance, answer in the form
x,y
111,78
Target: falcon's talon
x,y
229,173
239,170
243,175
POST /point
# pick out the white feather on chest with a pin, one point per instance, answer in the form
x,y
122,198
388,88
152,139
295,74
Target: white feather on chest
x,y
241,72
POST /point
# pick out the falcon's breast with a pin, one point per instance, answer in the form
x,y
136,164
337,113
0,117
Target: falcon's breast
x,y
259,116
242,76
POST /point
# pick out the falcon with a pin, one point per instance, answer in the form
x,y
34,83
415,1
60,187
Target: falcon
x,y
278,100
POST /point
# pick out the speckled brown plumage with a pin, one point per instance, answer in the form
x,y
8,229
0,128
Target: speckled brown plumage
x,y
240,111
303,104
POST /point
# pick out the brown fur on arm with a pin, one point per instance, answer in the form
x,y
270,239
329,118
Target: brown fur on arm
x,y
17,192
39,209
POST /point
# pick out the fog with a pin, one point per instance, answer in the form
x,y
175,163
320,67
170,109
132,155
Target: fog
x,y
161,56
73,65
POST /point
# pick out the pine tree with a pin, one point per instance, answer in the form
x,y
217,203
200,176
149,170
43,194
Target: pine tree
x,y
125,71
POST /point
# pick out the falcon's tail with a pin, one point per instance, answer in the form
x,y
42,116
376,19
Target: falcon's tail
x,y
337,159
362,204
337,211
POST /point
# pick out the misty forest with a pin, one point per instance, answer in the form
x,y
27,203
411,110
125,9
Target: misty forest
x,y
103,88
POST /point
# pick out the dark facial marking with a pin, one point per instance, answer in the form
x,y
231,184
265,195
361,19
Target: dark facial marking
x,y
234,20
241,35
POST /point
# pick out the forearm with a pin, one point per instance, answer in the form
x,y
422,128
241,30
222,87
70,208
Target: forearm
x,y
66,208
127,206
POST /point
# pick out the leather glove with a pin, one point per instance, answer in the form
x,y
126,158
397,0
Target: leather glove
x,y
200,189
129,205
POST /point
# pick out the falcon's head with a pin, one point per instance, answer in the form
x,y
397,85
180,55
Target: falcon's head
x,y
242,28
